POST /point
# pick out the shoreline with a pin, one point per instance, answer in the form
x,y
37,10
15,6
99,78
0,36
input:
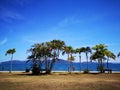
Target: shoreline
x,y
67,71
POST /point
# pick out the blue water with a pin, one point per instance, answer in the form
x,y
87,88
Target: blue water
x,y
92,67
58,66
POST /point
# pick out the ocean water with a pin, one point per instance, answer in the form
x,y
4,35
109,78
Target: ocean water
x,y
59,66
91,67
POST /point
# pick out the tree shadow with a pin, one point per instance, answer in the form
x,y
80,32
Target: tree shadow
x,y
30,74
56,73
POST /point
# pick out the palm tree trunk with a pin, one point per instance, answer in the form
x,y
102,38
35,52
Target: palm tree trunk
x,y
11,64
52,63
87,60
107,63
51,66
98,65
40,65
68,64
101,66
46,64
80,62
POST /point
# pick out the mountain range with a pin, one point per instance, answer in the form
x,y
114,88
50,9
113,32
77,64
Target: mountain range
x,y
61,65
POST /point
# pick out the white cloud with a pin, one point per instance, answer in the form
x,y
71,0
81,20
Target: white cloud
x,y
69,21
113,44
8,15
77,19
3,41
29,40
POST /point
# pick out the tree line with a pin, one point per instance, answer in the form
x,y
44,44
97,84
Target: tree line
x,y
44,55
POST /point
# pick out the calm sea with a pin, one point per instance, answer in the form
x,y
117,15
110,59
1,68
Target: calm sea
x,y
59,66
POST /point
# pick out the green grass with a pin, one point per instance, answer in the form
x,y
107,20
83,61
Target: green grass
x,y
59,81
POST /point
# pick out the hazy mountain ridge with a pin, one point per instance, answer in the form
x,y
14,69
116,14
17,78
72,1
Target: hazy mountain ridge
x,y
19,65
60,62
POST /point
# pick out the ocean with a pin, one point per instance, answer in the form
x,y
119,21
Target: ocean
x,y
59,66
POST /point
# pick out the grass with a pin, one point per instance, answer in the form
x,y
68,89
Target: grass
x,y
59,81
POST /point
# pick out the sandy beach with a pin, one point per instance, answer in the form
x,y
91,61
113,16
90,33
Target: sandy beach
x,y
66,71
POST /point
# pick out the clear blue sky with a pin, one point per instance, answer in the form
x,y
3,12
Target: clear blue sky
x,y
77,22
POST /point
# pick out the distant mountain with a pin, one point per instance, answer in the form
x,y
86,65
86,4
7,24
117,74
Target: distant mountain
x,y
13,62
17,65
61,65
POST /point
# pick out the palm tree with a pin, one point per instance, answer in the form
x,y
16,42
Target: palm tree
x,y
69,51
10,51
43,52
99,55
87,51
71,59
79,51
55,47
109,55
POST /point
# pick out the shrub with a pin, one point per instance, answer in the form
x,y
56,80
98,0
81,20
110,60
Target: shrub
x,y
27,70
86,71
35,71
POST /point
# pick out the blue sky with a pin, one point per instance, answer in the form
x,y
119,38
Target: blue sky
x,y
77,22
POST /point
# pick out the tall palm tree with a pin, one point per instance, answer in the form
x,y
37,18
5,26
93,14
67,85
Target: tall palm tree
x,y
55,47
79,51
10,51
71,59
100,49
109,55
69,51
87,51
99,55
